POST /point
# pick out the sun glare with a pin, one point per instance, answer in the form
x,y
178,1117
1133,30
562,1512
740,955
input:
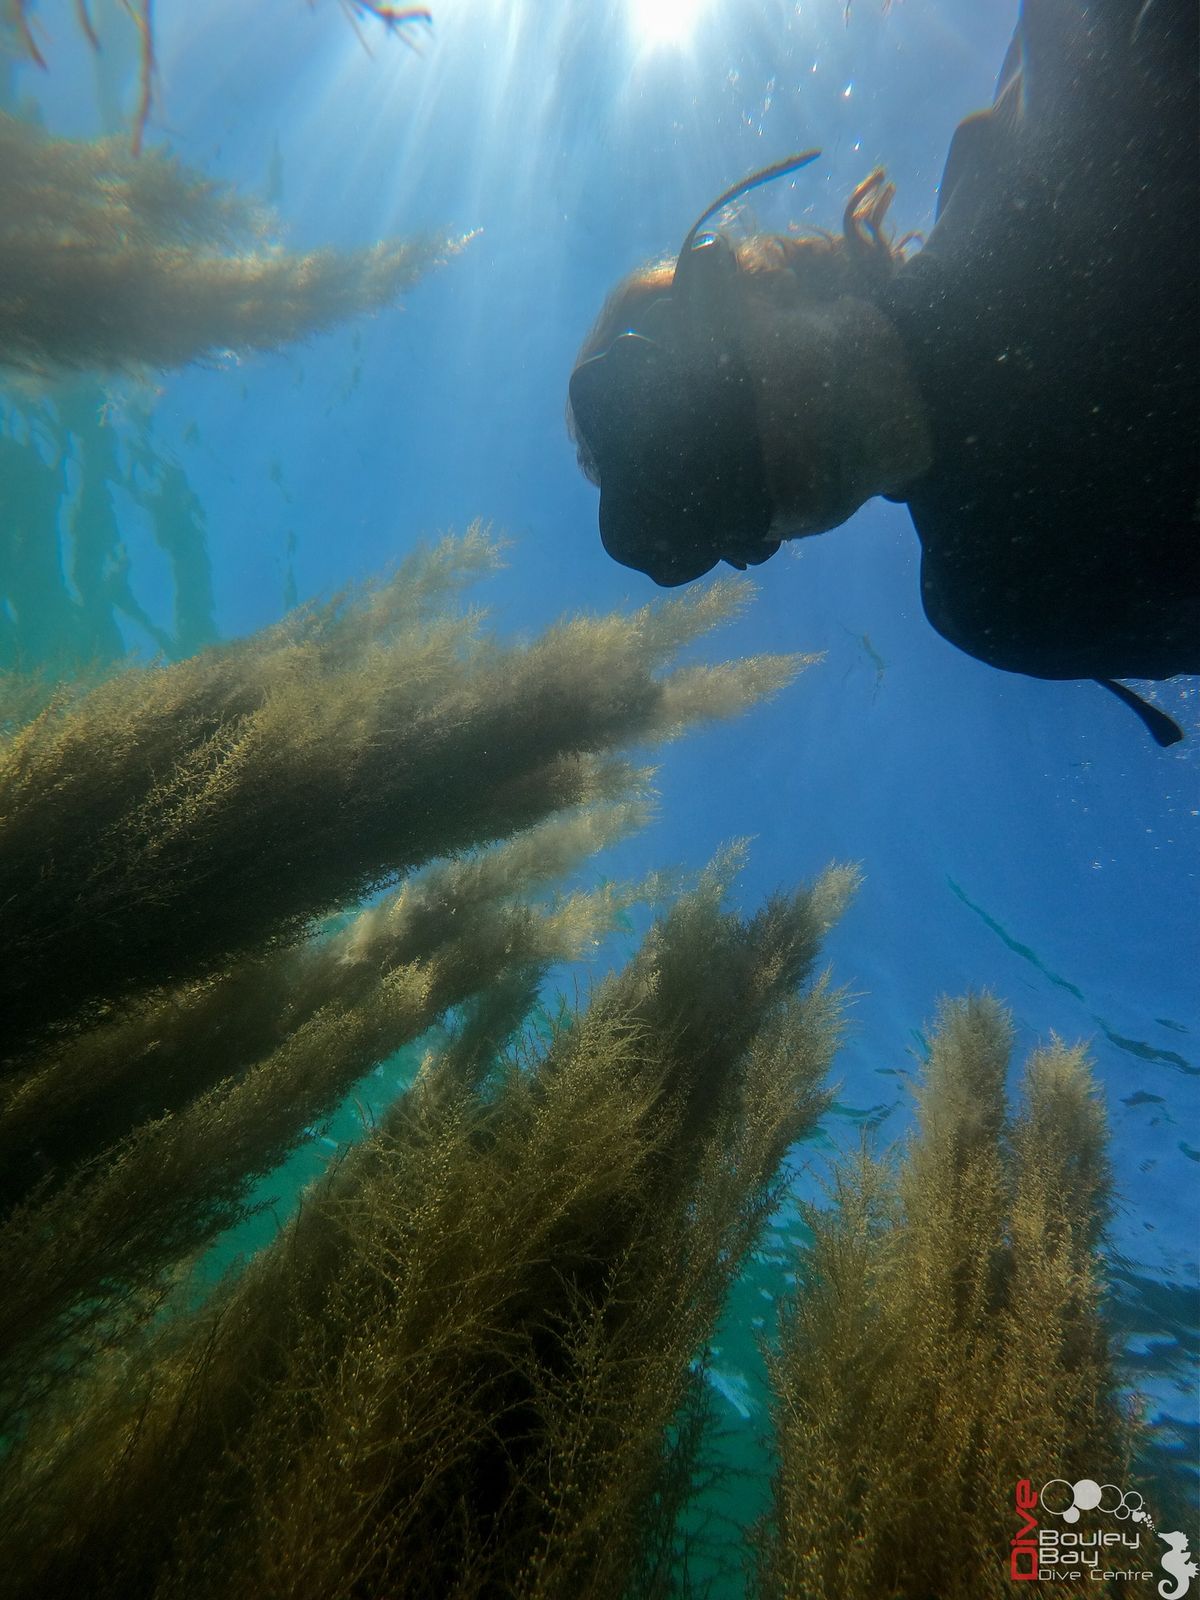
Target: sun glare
x,y
665,22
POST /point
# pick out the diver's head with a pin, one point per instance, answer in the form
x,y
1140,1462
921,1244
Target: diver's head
x,y
713,404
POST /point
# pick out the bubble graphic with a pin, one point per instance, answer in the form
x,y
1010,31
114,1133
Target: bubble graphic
x,y
1066,1499
1088,1494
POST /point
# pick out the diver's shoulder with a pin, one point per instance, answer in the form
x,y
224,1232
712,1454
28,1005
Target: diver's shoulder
x,y
974,152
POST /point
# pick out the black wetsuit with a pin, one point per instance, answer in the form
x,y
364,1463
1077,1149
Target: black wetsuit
x,y
1053,323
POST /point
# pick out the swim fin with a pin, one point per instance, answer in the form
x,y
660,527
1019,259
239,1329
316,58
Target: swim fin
x,y
1161,728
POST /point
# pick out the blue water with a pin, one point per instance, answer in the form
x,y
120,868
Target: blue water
x,y
1018,835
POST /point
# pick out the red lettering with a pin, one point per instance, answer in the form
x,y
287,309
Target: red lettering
x,y
1023,1561
1026,1495
1028,1524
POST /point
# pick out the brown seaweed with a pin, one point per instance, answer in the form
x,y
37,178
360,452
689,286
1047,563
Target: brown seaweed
x,y
111,261
946,1338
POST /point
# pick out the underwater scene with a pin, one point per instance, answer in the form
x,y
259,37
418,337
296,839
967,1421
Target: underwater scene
x,y
537,1058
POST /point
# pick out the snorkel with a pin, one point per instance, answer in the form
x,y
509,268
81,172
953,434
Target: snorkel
x,y
668,414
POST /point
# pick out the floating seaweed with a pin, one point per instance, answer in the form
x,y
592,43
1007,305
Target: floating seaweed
x,y
108,261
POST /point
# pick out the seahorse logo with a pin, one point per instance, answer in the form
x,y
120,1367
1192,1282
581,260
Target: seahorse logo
x,y
1176,1562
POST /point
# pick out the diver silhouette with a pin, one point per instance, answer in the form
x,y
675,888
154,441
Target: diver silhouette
x,y
1026,382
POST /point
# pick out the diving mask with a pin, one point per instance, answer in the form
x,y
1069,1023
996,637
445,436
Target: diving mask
x,y
669,416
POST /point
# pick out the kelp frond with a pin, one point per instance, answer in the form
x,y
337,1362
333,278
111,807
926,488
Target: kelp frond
x,y
945,1338
449,930
112,261
170,838
176,818
149,1134
453,1374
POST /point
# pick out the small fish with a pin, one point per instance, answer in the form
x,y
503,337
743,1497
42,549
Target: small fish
x,y
873,656
733,1387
